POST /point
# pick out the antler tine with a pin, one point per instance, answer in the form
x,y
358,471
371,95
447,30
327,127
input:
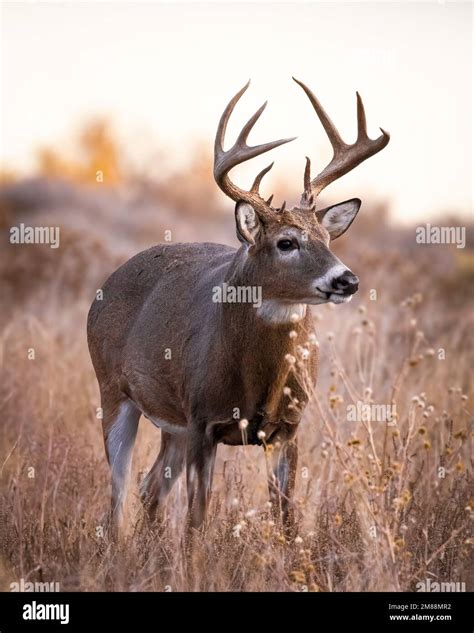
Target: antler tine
x,y
307,176
331,130
258,178
307,198
222,127
361,119
242,138
346,157
240,152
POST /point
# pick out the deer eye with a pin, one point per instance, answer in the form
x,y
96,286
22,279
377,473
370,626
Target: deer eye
x,y
286,245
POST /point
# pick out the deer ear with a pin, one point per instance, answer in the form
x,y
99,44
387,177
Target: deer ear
x,y
338,218
248,224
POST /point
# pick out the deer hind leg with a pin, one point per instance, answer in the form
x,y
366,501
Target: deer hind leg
x,y
120,430
164,473
282,460
200,459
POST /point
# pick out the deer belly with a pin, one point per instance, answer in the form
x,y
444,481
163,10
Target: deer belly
x,y
169,426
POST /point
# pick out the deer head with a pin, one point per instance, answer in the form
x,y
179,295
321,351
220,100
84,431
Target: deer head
x,y
287,251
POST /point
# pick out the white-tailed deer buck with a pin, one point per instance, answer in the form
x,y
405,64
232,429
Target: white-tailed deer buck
x,y
162,347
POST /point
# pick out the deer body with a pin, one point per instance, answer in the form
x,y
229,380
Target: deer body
x,y
208,372
190,381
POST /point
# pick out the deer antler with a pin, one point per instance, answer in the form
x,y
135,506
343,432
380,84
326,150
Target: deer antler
x,y
346,157
239,153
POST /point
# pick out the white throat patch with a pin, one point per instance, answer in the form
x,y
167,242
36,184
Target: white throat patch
x,y
277,312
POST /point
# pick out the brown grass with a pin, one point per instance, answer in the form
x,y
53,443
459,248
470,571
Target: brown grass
x,y
375,511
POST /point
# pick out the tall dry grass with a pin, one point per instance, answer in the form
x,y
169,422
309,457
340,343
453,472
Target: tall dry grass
x,y
379,507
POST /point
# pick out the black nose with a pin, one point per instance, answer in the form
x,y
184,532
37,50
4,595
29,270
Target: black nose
x,y
347,283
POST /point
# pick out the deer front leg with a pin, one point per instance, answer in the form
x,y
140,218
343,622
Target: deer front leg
x,y
200,458
282,458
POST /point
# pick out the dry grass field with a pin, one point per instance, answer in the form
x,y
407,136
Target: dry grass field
x,y
379,506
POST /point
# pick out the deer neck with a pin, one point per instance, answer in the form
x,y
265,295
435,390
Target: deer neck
x,y
250,317
246,288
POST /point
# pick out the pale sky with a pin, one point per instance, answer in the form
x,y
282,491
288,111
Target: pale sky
x,y
163,72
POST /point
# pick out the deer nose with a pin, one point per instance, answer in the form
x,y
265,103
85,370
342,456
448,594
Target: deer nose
x,y
347,283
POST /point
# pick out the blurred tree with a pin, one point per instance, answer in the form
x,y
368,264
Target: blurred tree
x,y
101,151
97,157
